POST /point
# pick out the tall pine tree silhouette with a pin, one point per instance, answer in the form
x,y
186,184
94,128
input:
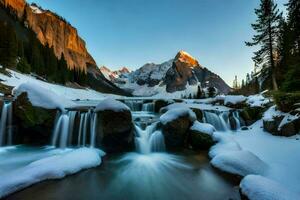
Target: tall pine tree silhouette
x,y
266,27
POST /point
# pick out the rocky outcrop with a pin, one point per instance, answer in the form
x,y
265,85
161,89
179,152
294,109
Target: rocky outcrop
x,y
53,30
115,132
35,124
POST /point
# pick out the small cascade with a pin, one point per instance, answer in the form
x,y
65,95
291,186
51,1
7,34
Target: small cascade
x,y
236,117
6,132
157,142
220,120
148,107
65,134
217,120
134,105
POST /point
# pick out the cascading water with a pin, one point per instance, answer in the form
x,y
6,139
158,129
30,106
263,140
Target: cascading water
x,y
150,139
134,105
148,107
65,135
220,120
6,133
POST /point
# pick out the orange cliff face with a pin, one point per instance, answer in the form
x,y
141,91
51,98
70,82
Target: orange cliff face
x,y
54,31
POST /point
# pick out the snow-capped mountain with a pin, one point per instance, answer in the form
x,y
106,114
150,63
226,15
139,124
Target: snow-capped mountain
x,y
177,77
113,75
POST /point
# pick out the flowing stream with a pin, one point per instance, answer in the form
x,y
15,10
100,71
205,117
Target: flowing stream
x,y
149,173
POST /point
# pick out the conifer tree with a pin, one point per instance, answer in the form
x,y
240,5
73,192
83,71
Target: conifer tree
x,y
266,26
294,22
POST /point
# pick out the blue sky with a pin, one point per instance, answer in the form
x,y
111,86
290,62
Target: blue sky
x,y
133,32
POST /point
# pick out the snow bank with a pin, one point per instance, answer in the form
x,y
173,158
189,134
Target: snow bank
x,y
256,187
111,104
287,118
257,100
234,99
239,162
54,167
42,97
203,128
176,113
15,79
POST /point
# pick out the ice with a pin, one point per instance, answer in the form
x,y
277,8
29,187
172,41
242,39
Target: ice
x,y
111,104
42,97
257,187
203,128
176,113
53,167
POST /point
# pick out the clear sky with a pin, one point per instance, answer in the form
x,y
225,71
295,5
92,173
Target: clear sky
x,y
133,32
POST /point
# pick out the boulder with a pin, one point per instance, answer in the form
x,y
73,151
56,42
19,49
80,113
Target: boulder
x,y
271,126
115,131
175,127
288,129
251,114
35,124
158,104
200,141
199,114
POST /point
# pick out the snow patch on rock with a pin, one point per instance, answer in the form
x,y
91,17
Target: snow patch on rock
x,y
111,104
203,128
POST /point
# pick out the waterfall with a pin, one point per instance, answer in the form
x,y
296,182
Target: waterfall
x,y
157,142
237,119
134,105
220,120
148,107
217,120
64,129
6,132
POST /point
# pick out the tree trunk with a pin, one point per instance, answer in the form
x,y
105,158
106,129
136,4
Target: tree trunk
x,y
273,72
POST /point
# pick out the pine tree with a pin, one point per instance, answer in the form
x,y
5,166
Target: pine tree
x,y
294,22
266,27
8,46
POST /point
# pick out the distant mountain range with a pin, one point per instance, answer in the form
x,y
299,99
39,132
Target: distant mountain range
x,y
179,74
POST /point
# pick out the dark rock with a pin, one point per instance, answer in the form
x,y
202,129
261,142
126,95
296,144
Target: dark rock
x,y
158,104
272,125
200,141
115,131
35,124
199,114
244,128
251,114
288,129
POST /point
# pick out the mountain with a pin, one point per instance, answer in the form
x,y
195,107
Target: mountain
x,y
181,75
54,34
113,75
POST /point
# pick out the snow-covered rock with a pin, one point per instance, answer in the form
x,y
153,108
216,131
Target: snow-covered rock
x,y
42,97
257,187
257,100
174,114
203,128
54,167
234,99
111,104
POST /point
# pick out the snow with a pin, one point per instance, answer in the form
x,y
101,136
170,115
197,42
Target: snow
x,y
257,100
234,99
17,79
36,10
53,167
257,187
42,97
177,113
239,162
203,128
111,104
271,113
276,156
